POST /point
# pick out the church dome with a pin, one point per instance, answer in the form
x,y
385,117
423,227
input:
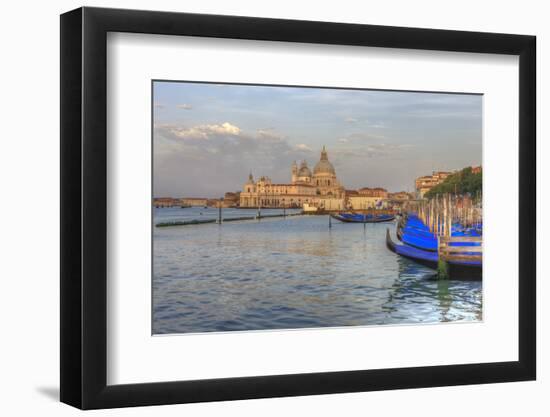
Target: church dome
x,y
304,170
324,166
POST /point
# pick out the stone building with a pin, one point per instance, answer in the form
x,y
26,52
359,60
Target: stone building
x,y
377,192
194,201
400,196
231,199
368,198
324,178
427,182
162,202
315,188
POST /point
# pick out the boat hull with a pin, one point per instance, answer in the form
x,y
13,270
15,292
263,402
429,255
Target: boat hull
x,y
357,219
457,270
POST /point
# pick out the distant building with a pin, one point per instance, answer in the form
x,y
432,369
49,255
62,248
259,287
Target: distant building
x,y
317,190
426,183
320,188
231,199
399,199
163,202
400,196
194,201
476,170
374,192
367,198
214,202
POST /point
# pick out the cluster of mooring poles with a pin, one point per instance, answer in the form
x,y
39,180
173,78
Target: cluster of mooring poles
x,y
465,214
442,211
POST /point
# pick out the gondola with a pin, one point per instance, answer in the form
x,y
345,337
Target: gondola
x,y
458,269
426,258
362,218
416,234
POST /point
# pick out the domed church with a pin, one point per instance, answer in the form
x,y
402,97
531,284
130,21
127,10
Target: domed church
x,y
323,179
320,188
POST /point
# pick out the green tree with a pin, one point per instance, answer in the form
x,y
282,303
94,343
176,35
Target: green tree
x,y
462,182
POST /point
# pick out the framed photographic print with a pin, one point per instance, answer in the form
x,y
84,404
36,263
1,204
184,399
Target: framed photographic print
x,y
258,207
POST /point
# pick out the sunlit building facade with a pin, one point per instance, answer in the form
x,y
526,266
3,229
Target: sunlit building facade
x,y
314,188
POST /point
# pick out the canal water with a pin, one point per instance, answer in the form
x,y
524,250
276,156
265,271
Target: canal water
x,y
289,273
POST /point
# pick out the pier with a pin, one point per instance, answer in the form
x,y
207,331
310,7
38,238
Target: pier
x,y
460,248
221,220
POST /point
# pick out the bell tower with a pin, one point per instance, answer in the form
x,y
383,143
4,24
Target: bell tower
x,y
294,172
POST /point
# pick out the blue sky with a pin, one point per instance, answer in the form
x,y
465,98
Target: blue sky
x,y
208,137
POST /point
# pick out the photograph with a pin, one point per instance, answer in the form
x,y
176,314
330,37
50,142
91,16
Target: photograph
x,y
295,207
270,209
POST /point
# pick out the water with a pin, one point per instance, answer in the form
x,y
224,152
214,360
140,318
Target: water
x,y
292,273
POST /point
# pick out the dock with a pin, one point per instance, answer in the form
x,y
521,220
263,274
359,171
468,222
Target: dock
x,y
222,220
452,249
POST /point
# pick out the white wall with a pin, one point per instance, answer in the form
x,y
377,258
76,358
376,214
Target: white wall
x,y
29,234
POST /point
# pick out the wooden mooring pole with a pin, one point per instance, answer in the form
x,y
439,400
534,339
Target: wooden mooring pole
x,y
442,264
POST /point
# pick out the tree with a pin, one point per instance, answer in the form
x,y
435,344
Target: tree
x,y
462,182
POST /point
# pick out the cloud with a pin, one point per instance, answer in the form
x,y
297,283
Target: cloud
x,y
225,128
372,150
360,137
184,106
208,160
265,128
203,131
378,125
364,122
268,134
303,147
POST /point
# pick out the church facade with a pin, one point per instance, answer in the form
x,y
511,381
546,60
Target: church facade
x,y
319,188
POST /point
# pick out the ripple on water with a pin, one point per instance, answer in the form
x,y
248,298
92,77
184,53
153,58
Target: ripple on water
x,y
294,273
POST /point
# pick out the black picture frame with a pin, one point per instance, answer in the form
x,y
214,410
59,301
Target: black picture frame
x,y
84,207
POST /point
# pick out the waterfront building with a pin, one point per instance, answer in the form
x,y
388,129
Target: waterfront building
x,y
324,178
231,199
332,204
162,202
319,188
427,182
367,198
399,199
314,190
400,196
194,201
377,192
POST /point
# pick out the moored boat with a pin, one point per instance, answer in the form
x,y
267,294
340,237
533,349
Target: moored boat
x,y
465,266
362,218
414,233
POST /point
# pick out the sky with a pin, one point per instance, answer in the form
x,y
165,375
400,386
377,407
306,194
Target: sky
x,y
207,138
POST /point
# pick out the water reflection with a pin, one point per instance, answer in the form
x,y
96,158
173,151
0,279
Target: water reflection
x,y
294,273
418,287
